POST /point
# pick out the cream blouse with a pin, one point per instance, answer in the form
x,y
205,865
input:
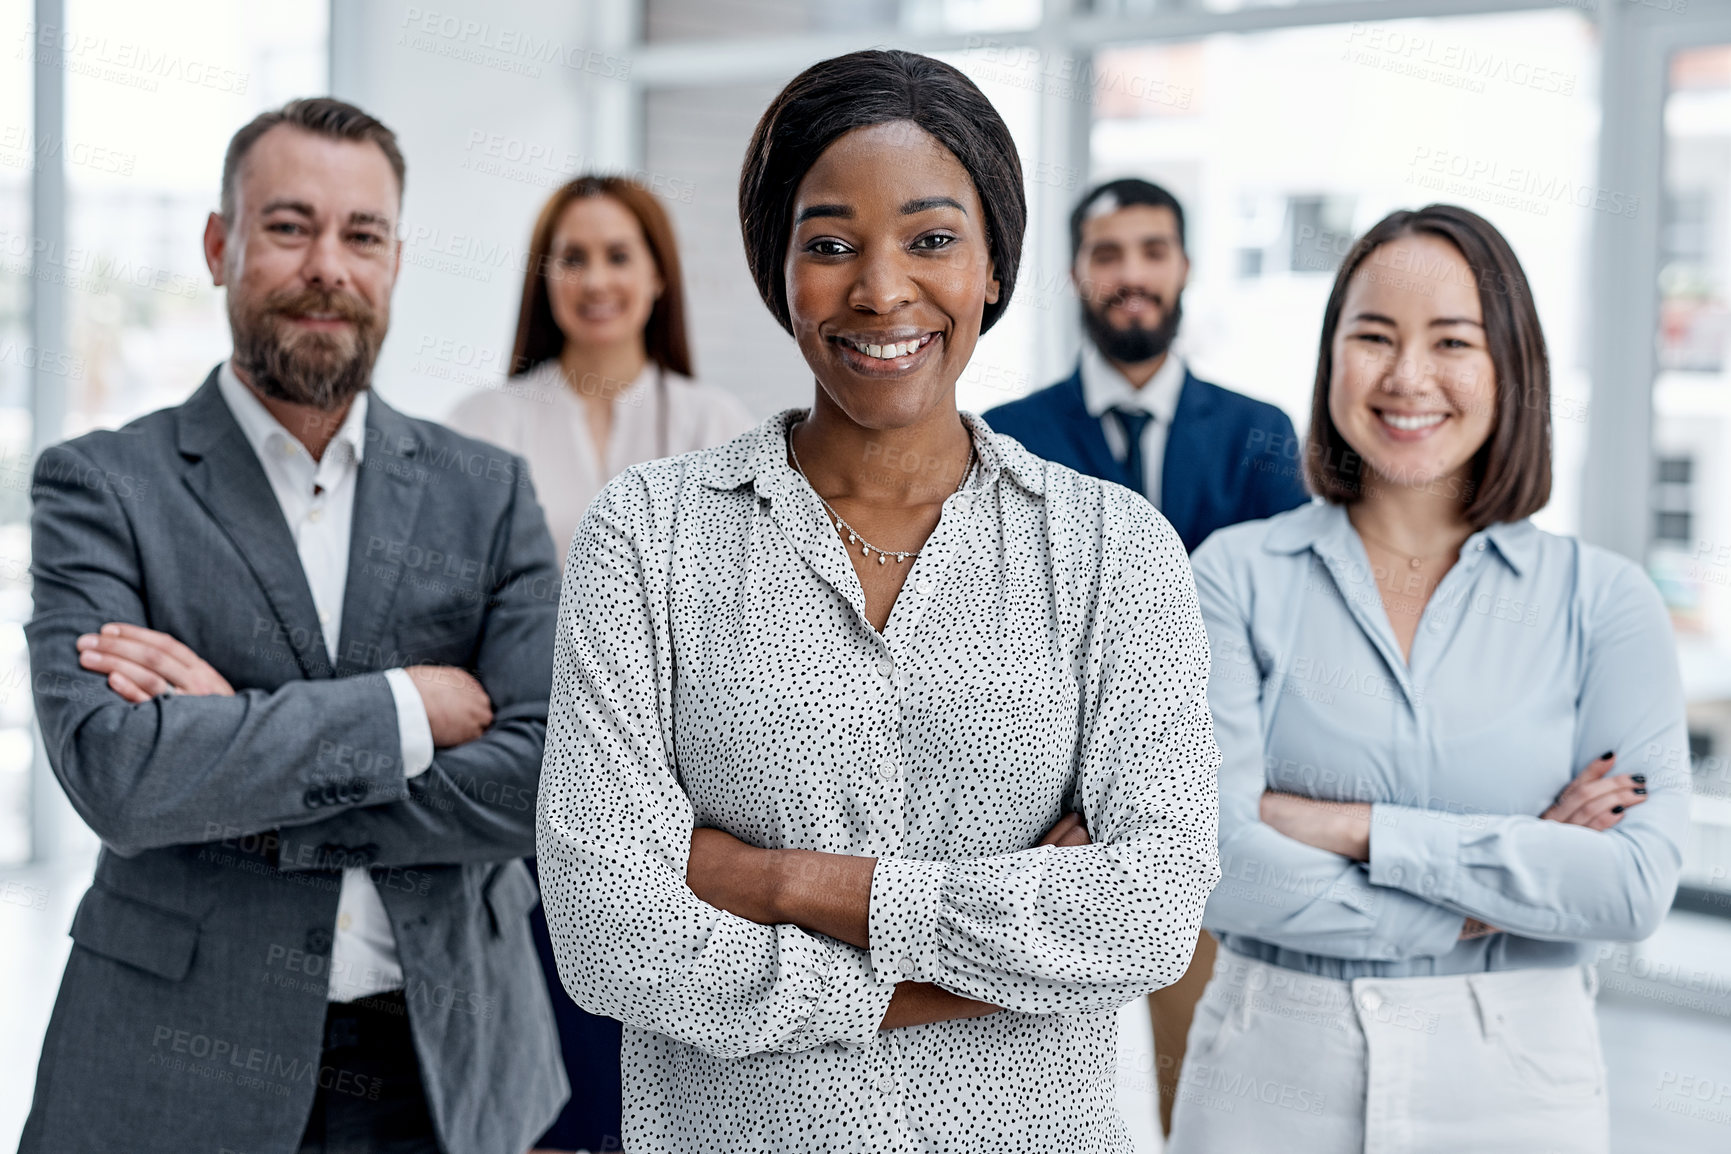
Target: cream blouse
x,y
539,416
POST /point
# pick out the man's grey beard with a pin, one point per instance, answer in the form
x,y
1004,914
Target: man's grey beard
x,y
1134,345
323,370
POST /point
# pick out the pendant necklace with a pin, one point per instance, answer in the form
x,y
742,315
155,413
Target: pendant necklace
x,y
1415,562
853,536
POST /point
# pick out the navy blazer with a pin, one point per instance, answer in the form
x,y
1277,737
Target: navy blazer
x,y
1228,458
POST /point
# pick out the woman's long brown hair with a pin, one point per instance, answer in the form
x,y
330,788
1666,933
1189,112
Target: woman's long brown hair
x,y
539,337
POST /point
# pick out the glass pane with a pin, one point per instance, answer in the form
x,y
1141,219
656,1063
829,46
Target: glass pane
x,y
18,359
150,105
999,370
1284,146
669,20
151,102
1145,7
1690,557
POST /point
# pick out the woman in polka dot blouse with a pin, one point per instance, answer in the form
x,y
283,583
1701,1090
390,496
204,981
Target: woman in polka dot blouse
x,y
879,770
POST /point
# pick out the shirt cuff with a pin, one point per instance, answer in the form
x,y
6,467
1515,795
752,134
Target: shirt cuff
x,y
851,1002
903,919
1416,850
413,729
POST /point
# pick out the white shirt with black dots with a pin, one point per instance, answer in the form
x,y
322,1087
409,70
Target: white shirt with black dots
x,y
715,667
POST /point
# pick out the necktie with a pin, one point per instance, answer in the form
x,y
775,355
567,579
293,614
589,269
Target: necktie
x,y
1133,421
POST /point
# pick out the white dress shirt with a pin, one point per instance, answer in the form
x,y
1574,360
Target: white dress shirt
x,y
317,499
539,417
1104,387
715,667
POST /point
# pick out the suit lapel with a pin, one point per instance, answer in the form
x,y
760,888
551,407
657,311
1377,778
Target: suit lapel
x,y
387,499
225,477
1092,451
1187,444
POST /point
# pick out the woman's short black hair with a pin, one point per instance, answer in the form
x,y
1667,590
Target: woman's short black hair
x,y
1511,473
858,90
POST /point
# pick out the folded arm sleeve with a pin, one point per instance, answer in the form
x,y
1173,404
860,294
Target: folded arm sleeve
x,y
632,940
173,770
1080,928
1274,888
1546,880
476,801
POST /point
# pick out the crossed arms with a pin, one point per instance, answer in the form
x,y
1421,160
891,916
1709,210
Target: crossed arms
x,y
147,770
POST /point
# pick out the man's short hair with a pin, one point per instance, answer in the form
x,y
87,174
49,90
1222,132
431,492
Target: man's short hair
x,y
1117,194
319,115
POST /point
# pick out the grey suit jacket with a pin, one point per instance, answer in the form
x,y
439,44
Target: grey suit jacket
x,y
190,1017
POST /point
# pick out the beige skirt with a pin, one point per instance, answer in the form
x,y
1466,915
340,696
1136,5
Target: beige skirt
x,y
1281,1060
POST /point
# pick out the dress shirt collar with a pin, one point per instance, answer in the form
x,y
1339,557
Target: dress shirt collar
x,y
760,456
1104,387
1324,527
265,433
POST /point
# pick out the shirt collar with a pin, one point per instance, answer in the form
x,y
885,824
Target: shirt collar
x,y
263,430
759,457
1104,387
1324,528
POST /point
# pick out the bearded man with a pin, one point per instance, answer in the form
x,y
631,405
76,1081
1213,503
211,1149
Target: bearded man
x,y
291,652
1132,412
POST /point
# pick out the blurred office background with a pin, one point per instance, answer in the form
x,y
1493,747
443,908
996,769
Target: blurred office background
x,y
1596,134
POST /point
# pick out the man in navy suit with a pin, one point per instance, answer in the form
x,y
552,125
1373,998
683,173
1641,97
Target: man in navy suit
x,y
1131,412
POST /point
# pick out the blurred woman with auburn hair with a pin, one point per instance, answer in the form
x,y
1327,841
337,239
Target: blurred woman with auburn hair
x,y
600,381
601,375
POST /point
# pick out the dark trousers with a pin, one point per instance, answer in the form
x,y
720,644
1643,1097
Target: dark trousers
x,y
369,1097
590,1046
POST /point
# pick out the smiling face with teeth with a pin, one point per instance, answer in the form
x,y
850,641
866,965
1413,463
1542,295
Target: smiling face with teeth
x,y
888,274
1414,385
309,260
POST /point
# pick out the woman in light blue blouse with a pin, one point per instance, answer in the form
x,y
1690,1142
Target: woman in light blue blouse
x,y
1454,745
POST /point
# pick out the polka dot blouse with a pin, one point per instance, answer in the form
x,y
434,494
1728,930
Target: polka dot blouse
x,y
715,668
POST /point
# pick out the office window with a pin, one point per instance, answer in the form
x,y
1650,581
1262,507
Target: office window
x,y
19,147
672,20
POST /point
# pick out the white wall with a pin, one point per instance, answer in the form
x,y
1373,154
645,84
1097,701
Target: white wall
x,y
487,102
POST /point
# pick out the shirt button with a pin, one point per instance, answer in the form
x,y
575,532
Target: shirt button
x,y
345,921
886,666
1371,1001
921,586
886,1082
887,769
1480,546
315,514
906,966
324,617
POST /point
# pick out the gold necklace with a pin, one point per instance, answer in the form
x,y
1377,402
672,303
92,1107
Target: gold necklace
x,y
853,536
1415,562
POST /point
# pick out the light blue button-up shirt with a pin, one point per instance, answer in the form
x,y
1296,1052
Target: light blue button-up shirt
x,y
1535,655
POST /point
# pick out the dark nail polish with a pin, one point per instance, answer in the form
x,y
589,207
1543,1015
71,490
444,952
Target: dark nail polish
x,y
1616,809
1640,777
1640,791
1607,755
